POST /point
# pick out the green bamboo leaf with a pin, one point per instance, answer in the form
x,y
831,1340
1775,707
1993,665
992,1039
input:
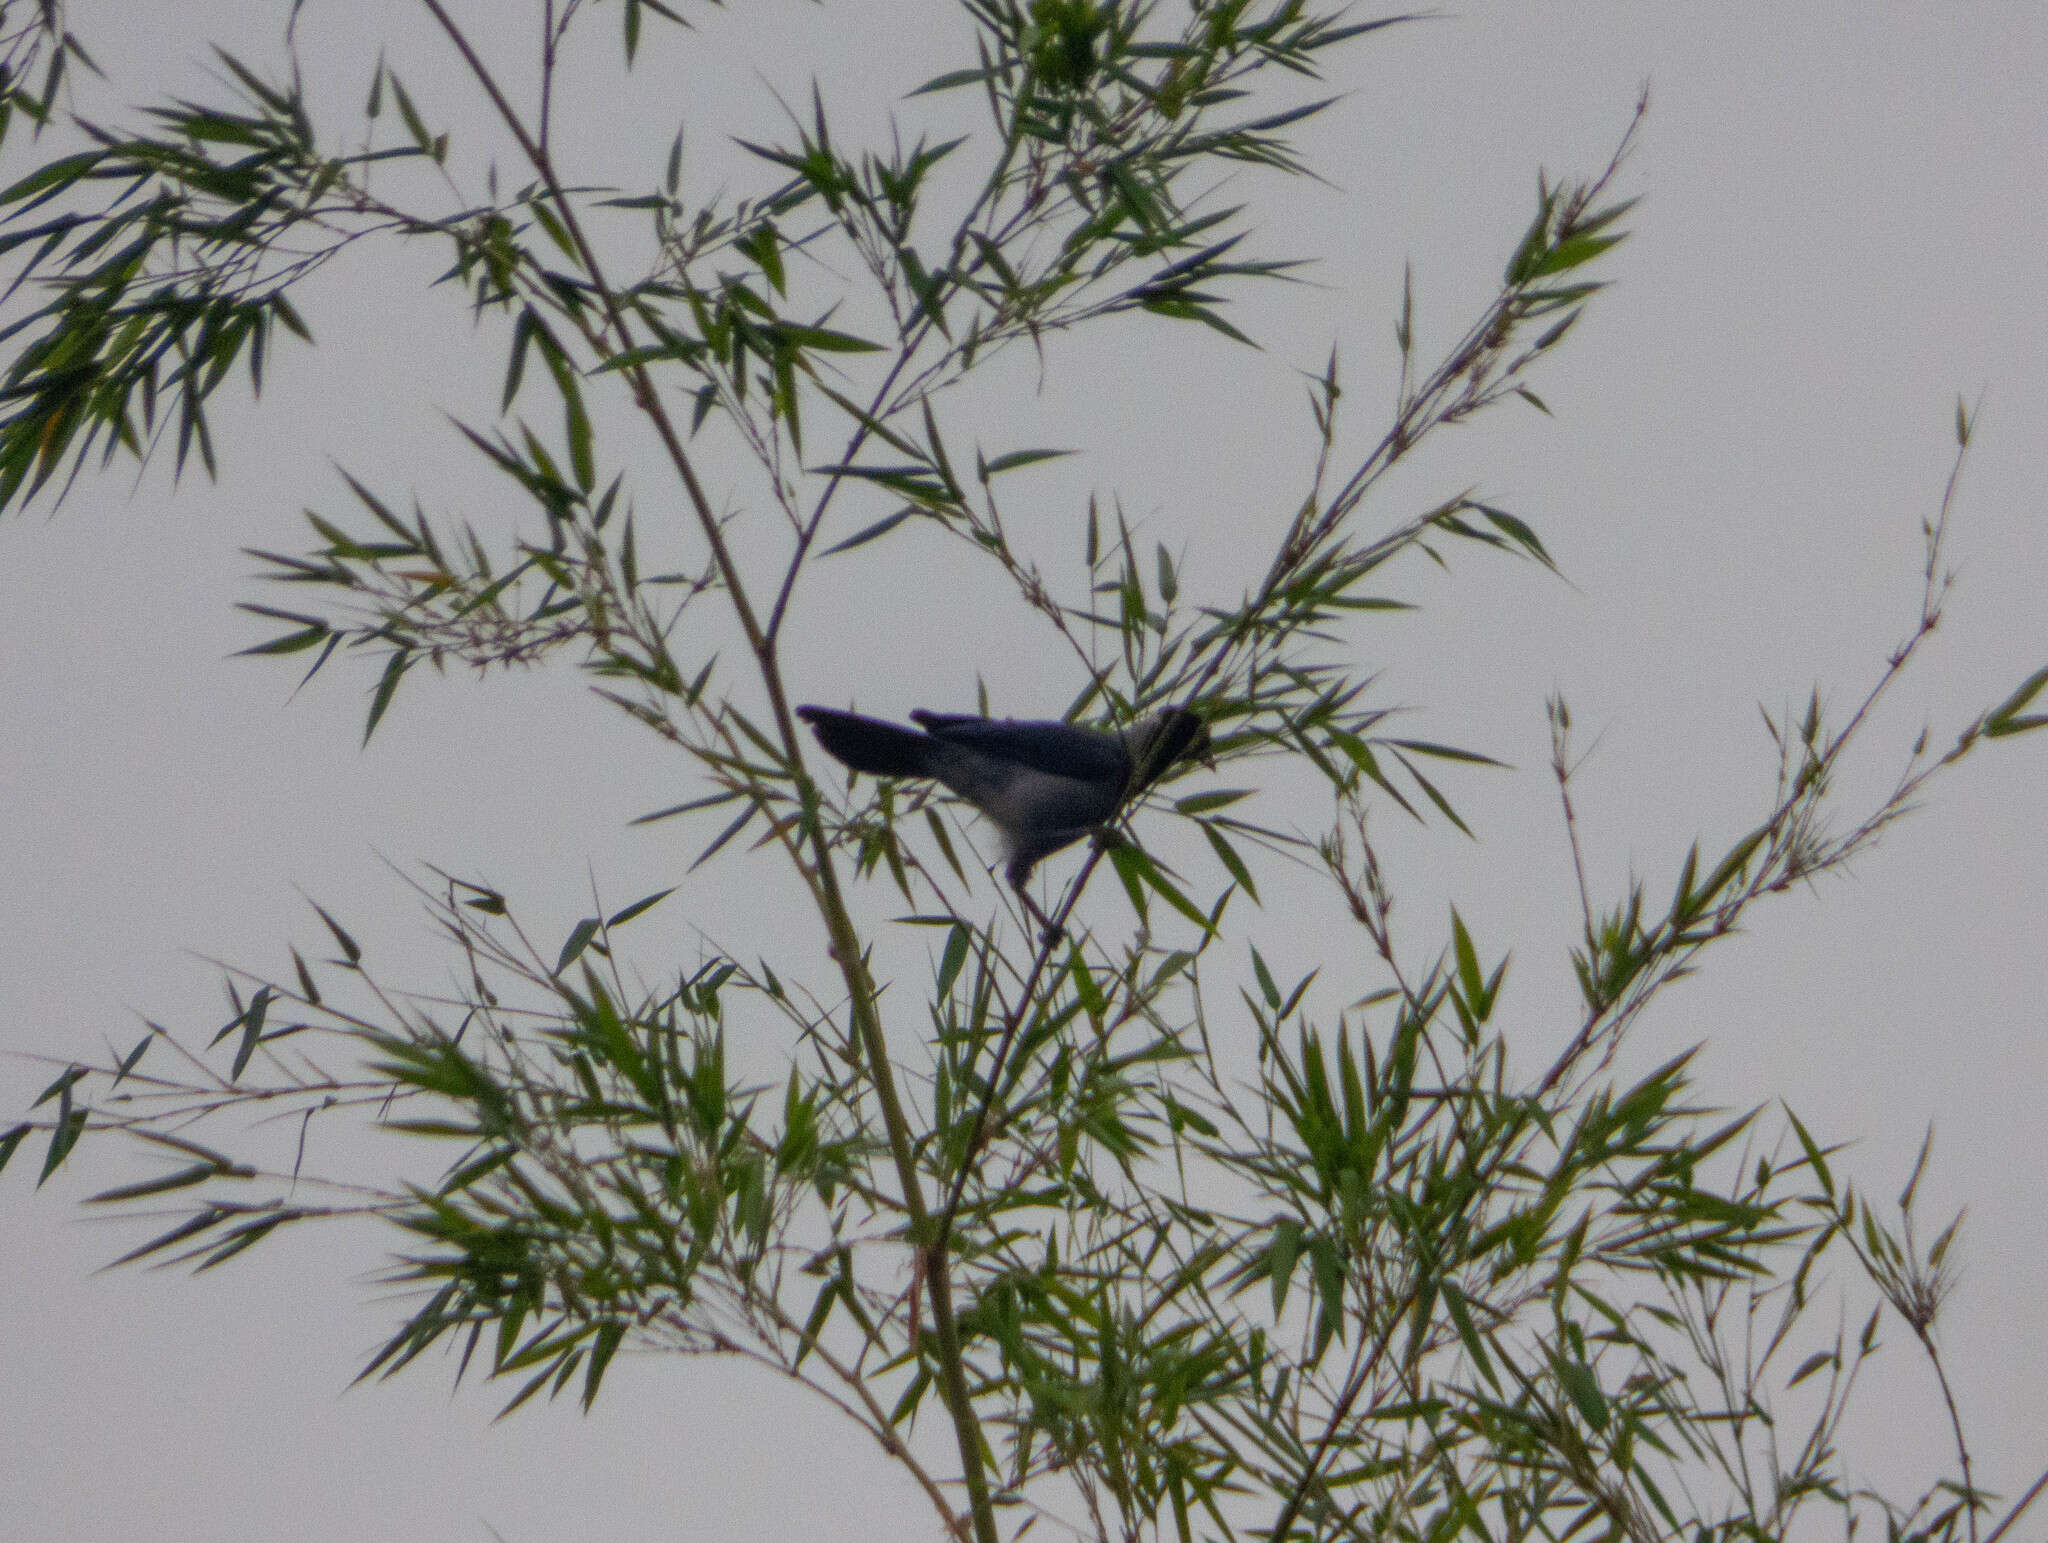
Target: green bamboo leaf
x,y
184,1178
1684,904
252,1031
1534,240
128,1062
912,482
11,1139
606,1341
1514,527
312,631
1228,856
1583,1387
1736,860
1208,803
1180,307
61,1088
239,1237
1443,804
192,1226
1817,1361
1461,1319
988,470
1281,1254
1446,752
953,959
944,842
435,1130
1328,1266
53,177
1267,986
578,940
1149,873
1470,976
562,1365
387,685
619,918
821,1311
952,80
1129,862
2011,715
352,955
825,340
1086,989
414,124
483,899
481,1168
710,800
1572,252
523,331
1815,1157
873,532
70,1126
739,823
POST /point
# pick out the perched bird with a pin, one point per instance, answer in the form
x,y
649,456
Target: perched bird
x,y
1042,785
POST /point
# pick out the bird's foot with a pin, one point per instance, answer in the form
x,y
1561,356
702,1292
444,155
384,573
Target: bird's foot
x,y
1049,931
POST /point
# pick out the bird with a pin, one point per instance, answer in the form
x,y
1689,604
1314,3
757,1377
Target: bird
x,y
1043,785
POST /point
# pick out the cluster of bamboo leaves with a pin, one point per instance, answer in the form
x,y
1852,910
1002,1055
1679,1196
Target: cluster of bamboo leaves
x,y
1397,1284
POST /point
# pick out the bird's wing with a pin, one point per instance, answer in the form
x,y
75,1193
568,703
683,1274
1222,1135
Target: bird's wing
x,y
1057,749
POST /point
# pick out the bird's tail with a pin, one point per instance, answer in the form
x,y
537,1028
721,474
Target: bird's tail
x,y
869,744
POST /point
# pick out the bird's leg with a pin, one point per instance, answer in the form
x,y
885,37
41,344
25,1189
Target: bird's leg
x,y
1050,932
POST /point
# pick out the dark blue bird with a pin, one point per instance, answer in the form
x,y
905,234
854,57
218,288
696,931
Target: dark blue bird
x,y
1042,785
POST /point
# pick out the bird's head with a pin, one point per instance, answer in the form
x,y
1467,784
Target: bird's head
x,y
1159,744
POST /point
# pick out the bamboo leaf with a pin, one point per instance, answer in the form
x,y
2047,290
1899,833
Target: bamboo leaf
x,y
621,917
578,940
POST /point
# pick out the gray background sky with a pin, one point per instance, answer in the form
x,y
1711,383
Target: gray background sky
x,y
1843,228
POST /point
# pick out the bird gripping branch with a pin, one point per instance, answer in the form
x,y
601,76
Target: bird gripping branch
x,y
1042,785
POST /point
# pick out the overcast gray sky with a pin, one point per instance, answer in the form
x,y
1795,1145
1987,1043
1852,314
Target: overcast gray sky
x,y
1843,227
